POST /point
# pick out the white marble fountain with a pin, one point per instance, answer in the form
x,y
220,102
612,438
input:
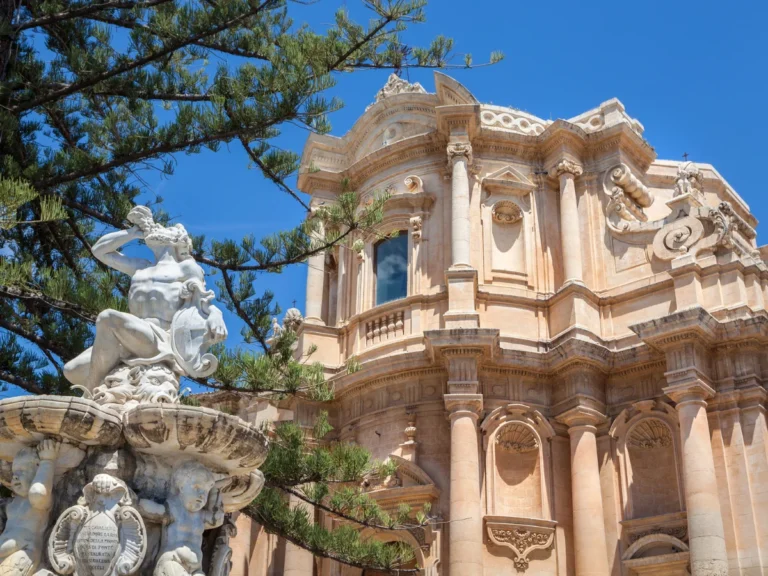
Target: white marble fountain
x,y
126,480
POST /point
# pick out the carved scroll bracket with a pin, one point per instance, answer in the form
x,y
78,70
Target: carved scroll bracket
x,y
521,535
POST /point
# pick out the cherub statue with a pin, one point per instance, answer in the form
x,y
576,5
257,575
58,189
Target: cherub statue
x,y
22,541
103,535
193,506
170,320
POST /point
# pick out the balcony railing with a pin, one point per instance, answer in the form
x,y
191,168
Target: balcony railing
x,y
385,327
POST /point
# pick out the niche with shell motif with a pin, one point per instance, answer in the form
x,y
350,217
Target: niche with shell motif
x,y
517,448
647,442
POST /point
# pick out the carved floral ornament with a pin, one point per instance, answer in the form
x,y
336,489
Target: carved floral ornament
x,y
506,212
521,535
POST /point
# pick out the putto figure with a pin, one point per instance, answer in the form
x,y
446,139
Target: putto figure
x,y
22,541
171,319
193,506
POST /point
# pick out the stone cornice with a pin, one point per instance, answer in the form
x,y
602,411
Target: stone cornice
x,y
581,416
691,324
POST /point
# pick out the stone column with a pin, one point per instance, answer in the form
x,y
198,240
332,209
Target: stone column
x,y
315,283
298,561
590,550
459,158
464,405
466,527
570,237
705,522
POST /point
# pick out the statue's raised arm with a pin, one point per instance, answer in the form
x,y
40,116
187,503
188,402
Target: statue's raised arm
x,y
168,329
106,247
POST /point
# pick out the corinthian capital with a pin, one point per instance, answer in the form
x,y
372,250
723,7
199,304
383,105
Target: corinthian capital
x,y
566,167
458,149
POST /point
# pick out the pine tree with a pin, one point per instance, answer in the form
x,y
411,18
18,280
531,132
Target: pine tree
x,y
92,93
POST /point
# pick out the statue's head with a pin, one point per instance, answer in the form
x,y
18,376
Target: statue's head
x,y
175,236
192,482
24,469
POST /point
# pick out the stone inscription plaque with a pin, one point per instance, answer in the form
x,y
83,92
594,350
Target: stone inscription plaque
x,y
97,545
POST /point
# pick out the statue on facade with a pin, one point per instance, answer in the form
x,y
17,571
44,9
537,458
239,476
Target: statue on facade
x,y
27,513
171,320
193,506
103,535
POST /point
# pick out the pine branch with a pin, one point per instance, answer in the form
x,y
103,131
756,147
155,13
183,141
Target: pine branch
x,y
325,508
31,387
88,82
253,513
16,293
43,343
87,10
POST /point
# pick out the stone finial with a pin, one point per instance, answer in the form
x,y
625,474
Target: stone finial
x,y
566,166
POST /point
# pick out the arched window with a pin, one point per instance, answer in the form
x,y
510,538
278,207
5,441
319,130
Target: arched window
x,y
390,261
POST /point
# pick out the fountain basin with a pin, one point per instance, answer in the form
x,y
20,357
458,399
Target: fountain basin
x,y
223,442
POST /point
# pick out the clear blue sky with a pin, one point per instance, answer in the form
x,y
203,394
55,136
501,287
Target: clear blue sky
x,y
694,73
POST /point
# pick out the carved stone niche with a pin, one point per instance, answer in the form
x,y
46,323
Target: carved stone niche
x,y
507,218
649,457
518,462
521,535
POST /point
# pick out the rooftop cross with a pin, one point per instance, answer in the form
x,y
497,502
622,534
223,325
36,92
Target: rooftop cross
x,y
685,156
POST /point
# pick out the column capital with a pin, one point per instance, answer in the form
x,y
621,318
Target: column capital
x,y
580,417
687,392
464,405
567,167
456,150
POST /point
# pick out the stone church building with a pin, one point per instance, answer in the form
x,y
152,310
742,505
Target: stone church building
x,y
563,349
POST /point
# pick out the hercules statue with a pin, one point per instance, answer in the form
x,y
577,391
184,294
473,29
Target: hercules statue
x,y
170,322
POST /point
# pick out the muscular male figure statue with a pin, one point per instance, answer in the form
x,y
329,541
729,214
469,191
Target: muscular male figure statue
x,y
158,290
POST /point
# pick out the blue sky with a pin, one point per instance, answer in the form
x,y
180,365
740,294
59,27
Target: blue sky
x,y
694,73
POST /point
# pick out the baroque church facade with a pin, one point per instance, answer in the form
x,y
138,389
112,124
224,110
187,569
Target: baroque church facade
x,y
563,348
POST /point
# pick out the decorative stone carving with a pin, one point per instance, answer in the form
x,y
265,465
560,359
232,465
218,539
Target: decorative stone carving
x,y
102,535
396,85
688,181
28,512
704,229
414,184
650,433
416,223
511,121
193,506
126,386
171,320
679,532
506,212
457,150
521,535
292,319
221,558
516,438
566,166
628,198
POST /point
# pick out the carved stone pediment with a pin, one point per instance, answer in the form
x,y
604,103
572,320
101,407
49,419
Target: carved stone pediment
x,y
508,180
521,535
